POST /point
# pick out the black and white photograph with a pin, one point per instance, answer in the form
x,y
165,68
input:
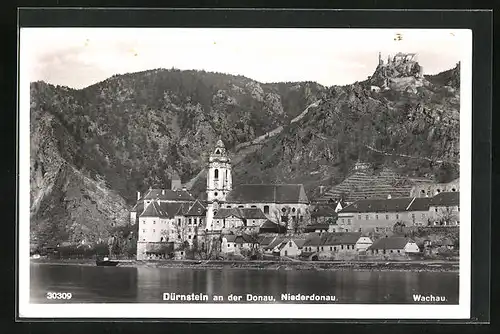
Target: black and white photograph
x,y
245,172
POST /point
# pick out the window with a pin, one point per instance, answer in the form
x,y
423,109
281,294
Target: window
x,y
412,216
286,253
366,217
161,239
154,221
216,173
179,222
330,248
283,210
189,221
217,151
229,245
241,206
335,248
254,206
387,217
301,218
154,230
143,231
391,250
321,247
399,251
290,244
436,209
341,246
228,206
266,209
178,236
453,189
397,216
359,217
215,194
349,221
423,215
189,237
293,209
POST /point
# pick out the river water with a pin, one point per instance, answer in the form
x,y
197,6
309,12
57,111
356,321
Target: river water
x,y
92,284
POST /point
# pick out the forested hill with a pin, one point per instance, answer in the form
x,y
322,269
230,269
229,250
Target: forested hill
x,y
92,149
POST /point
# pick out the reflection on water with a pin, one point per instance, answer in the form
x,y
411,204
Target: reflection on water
x,y
146,285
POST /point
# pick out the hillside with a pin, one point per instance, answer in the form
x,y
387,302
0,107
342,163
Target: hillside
x,y
133,131
92,149
412,131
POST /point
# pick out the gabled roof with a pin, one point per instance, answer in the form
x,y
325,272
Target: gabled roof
x,y
268,193
138,207
271,227
242,213
331,239
152,210
197,209
390,243
241,238
265,240
252,213
275,243
164,210
446,199
378,205
168,195
324,210
420,204
224,213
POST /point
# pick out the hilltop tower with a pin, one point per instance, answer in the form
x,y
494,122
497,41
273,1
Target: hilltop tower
x,y
219,180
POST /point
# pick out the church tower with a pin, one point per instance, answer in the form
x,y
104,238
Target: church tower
x,y
219,178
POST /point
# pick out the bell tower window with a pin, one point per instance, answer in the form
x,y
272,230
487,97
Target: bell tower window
x,y
217,151
216,173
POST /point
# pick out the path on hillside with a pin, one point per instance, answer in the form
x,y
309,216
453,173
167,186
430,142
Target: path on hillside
x,y
246,148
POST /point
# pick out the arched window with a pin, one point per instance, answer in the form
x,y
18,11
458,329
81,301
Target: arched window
x,y
453,189
161,239
216,173
266,209
217,151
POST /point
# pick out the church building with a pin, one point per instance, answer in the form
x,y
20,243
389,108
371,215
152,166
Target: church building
x,y
174,216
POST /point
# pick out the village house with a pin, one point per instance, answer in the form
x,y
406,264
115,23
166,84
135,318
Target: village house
x,y
248,219
393,248
363,243
235,243
381,215
331,246
324,213
290,247
271,248
445,209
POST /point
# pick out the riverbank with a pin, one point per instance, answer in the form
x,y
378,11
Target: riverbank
x,y
414,266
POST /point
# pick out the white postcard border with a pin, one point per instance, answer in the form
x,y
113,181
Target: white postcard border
x,y
205,311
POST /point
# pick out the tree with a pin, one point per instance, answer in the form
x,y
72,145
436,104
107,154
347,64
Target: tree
x,y
282,217
447,216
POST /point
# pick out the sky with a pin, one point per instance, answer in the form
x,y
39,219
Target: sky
x,y
79,57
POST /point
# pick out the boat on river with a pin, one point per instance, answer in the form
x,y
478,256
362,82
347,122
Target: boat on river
x,y
106,262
